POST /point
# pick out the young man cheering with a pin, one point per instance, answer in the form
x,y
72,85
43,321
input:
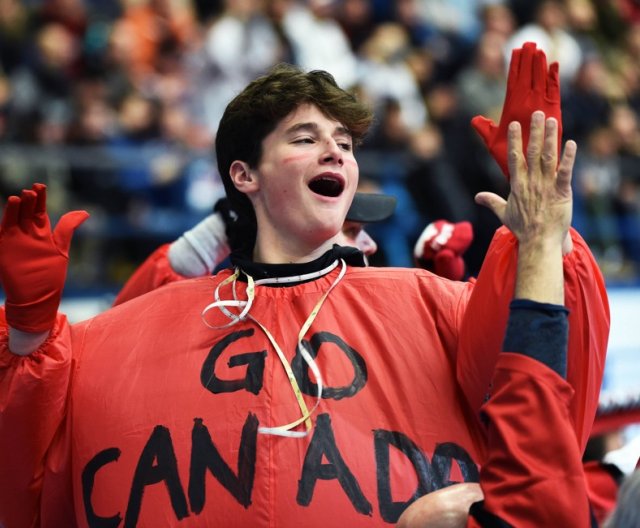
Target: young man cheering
x,y
299,387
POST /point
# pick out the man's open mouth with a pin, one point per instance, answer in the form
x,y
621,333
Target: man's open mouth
x,y
327,185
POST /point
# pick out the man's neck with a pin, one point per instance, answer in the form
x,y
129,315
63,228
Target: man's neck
x,y
282,251
305,271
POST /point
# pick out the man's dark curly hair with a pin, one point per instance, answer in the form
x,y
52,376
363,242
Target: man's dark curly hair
x,y
255,113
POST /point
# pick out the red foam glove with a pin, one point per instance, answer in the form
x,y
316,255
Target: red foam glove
x,y
440,248
530,87
33,259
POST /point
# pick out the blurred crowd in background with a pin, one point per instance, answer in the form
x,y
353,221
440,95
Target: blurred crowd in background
x,y
114,105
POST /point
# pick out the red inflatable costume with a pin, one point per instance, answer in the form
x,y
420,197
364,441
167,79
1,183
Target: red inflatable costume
x,y
341,395
144,415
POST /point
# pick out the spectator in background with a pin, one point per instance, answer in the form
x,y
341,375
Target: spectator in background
x,y
481,85
389,83
550,32
41,100
93,180
629,10
152,25
356,17
71,14
597,180
207,10
626,131
238,46
582,19
454,30
585,104
627,511
387,166
456,19
625,126
15,26
385,75
45,81
318,41
154,148
626,68
497,17
137,120
115,65
607,191
474,171
433,182
422,33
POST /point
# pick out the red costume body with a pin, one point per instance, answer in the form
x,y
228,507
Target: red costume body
x,y
533,474
144,416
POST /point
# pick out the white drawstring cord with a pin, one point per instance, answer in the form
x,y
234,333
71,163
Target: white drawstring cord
x,y
282,430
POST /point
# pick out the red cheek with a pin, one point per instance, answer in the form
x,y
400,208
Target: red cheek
x,y
294,159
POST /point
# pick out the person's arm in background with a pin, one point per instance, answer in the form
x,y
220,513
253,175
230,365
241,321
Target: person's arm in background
x,y
531,86
440,249
35,356
532,475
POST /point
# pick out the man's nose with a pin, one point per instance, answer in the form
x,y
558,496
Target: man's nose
x,y
333,153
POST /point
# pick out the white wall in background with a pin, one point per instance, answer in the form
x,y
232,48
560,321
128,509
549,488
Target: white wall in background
x,y
622,370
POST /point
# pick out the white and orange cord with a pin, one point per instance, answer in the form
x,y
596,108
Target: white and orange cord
x,y
286,429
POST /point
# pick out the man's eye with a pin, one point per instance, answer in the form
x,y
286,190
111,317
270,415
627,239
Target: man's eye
x,y
345,146
303,140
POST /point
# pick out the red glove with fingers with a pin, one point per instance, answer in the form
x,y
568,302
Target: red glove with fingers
x,y
440,247
530,87
33,259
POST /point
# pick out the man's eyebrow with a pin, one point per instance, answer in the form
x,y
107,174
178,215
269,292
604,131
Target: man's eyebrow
x,y
313,127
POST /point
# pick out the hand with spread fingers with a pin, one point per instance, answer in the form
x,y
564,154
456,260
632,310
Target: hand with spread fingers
x,y
530,86
539,207
34,259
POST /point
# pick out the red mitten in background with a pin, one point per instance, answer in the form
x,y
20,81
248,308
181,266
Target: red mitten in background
x,y
530,87
34,259
440,248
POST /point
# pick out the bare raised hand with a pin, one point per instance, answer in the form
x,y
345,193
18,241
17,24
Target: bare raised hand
x,y
539,206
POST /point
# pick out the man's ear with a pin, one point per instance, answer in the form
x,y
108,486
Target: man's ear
x,y
243,177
